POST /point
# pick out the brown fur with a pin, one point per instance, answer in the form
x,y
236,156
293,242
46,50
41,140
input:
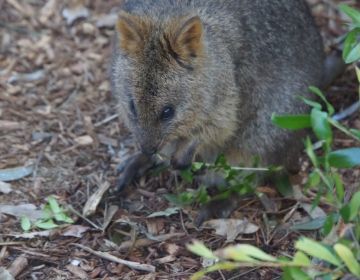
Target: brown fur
x,y
225,67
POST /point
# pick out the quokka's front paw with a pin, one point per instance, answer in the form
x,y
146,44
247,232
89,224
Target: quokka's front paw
x,y
133,167
216,209
183,157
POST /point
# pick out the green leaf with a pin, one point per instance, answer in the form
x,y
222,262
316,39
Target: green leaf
x,y
201,250
310,152
298,274
186,175
291,122
185,198
348,258
329,224
351,12
354,54
345,213
311,103
283,185
355,206
314,224
355,132
25,223
357,70
49,224
301,259
314,179
196,166
54,206
317,250
339,186
346,158
202,195
286,275
47,213
319,93
320,125
166,213
232,253
253,252
350,43
58,212
62,217
216,267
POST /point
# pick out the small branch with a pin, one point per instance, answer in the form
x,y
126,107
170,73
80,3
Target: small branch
x,y
240,168
109,257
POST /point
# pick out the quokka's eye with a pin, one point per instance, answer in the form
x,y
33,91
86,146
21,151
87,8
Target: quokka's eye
x,y
132,107
167,113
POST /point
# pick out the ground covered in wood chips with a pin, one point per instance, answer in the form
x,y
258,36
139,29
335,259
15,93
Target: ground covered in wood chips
x,y
59,126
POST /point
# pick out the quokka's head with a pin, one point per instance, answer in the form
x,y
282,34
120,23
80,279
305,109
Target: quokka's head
x,y
156,76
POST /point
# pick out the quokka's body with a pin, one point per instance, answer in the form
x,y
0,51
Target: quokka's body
x,y
203,77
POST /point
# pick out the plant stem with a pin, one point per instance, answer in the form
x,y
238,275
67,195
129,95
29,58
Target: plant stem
x,y
342,128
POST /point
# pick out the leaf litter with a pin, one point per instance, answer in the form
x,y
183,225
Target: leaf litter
x,y
56,110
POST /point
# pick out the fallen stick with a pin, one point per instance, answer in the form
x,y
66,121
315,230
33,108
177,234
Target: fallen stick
x,y
107,256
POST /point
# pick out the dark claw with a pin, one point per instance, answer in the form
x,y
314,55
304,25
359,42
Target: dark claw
x,y
135,166
180,165
217,209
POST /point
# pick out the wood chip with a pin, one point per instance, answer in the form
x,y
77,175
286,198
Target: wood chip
x,y
77,271
18,265
94,199
10,125
84,140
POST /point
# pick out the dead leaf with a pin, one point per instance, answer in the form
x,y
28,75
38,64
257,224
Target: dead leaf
x,y
75,231
166,213
12,174
108,216
73,14
28,210
77,271
106,21
5,188
94,199
47,11
166,259
151,276
314,213
5,274
231,228
172,249
155,226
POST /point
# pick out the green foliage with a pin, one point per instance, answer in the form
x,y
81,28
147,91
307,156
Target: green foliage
x,y
351,51
238,180
292,122
338,259
53,214
313,259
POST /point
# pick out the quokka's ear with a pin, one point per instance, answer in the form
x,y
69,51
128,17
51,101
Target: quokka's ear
x,y
186,38
132,31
